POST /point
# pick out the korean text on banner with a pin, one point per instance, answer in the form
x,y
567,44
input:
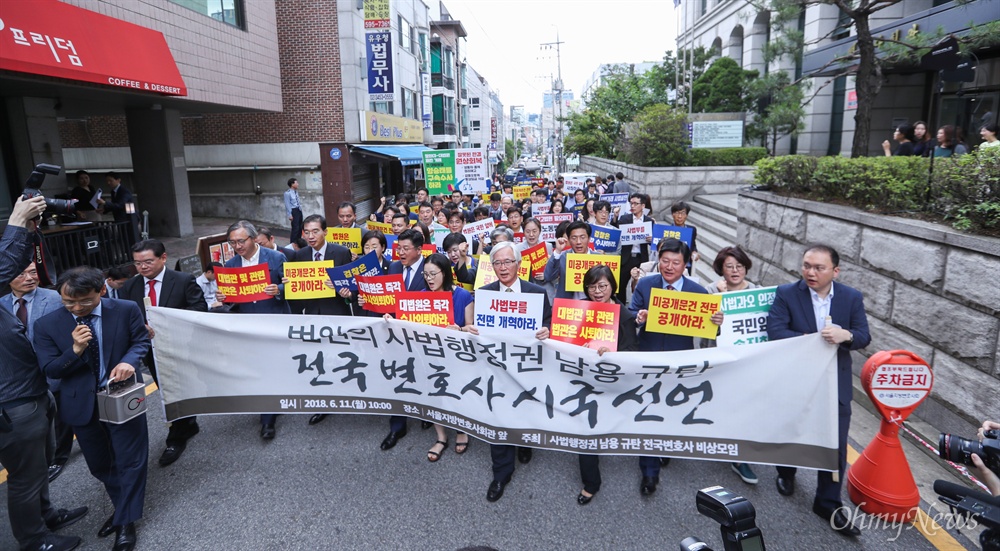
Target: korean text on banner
x,y
578,264
486,275
585,323
344,276
540,208
679,313
745,316
378,50
633,234
379,292
550,222
509,315
383,227
522,192
662,231
307,280
439,171
538,256
605,239
471,171
480,230
243,284
348,237
425,307
482,385
616,199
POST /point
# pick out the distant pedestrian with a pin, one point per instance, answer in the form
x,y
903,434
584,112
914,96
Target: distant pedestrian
x,y
622,185
904,135
293,208
949,142
922,145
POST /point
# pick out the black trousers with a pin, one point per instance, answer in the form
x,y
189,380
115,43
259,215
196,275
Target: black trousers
x,y
590,472
296,224
22,453
60,442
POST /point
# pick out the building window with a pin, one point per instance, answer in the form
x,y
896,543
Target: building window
x,y
449,63
473,102
405,34
475,125
477,146
704,7
424,57
409,104
436,58
230,12
381,107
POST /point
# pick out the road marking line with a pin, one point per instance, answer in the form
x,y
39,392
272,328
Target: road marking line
x,y
150,388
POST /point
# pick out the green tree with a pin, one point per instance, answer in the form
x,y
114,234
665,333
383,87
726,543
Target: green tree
x,y
777,109
591,132
669,80
721,88
659,137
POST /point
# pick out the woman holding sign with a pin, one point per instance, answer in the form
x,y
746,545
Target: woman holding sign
x,y
600,286
437,274
372,240
732,264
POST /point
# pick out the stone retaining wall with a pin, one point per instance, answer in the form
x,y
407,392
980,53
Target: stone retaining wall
x,y
928,289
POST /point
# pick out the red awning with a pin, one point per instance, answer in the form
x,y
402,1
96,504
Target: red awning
x,y
47,37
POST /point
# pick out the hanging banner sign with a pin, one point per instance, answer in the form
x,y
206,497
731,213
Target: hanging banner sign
x,y
243,284
702,404
680,313
380,292
578,264
585,323
509,315
376,13
378,49
745,316
307,280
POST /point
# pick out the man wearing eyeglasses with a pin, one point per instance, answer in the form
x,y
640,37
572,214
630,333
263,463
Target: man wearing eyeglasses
x,y
410,265
88,345
165,288
506,260
633,255
241,236
577,241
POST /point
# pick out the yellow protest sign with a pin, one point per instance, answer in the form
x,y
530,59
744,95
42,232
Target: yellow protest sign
x,y
383,227
578,264
680,313
485,274
522,192
486,197
348,237
307,280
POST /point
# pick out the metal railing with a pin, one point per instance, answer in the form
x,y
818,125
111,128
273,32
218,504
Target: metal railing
x,y
100,245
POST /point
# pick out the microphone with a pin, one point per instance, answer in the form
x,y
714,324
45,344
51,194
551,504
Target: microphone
x,y
956,492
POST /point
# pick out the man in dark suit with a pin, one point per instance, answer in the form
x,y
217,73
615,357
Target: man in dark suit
x,y
633,255
167,289
577,241
506,260
89,344
673,257
242,238
410,265
120,196
314,232
817,303
265,238
28,302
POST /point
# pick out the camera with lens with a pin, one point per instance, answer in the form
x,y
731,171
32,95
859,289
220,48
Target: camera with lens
x,y
63,207
735,515
960,450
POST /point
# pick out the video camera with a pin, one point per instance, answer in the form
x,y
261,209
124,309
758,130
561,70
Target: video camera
x,y
735,515
960,450
980,506
64,207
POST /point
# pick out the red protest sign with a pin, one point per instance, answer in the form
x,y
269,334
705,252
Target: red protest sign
x,y
585,323
243,284
428,308
539,256
380,292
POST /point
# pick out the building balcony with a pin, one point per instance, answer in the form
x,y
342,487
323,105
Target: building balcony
x,y
439,79
465,93
465,131
445,128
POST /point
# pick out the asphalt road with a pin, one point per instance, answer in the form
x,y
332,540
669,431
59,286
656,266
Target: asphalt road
x,y
330,487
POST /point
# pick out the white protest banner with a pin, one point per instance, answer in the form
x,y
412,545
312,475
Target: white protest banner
x,y
636,233
480,230
540,208
570,185
745,316
707,403
509,315
471,172
616,199
550,222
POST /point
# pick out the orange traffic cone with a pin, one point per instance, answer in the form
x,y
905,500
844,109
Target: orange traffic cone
x,y
880,481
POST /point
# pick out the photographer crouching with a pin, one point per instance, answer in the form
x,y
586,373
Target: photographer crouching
x,y
984,455
25,406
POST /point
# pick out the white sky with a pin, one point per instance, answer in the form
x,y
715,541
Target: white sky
x,y
504,38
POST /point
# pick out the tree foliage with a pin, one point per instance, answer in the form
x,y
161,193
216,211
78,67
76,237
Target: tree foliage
x,y
659,137
591,133
777,109
722,88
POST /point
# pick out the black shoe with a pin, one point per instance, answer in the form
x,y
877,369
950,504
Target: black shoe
x,y
424,425
54,542
648,485
496,490
267,431
126,538
317,418
391,439
172,453
54,471
583,500
786,486
524,455
838,521
107,528
64,518
664,461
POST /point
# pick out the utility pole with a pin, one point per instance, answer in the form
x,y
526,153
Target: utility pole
x,y
557,88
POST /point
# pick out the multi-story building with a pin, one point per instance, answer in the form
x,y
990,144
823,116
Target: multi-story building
x,y
738,30
448,79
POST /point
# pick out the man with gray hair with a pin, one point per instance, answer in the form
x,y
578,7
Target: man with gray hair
x,y
506,259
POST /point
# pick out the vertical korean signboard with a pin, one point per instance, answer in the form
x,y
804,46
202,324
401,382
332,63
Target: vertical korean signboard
x,y
439,170
378,47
